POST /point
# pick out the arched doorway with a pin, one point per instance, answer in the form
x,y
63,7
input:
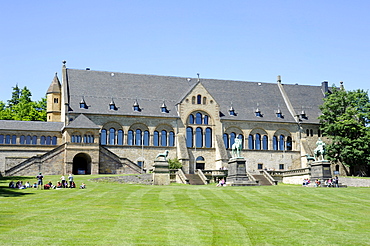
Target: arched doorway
x,y
81,164
199,163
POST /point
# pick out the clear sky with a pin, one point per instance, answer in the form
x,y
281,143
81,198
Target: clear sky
x,y
306,42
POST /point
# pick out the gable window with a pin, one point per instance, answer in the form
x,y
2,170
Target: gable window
x,y
208,138
193,100
204,100
189,137
199,99
198,118
205,120
191,119
199,137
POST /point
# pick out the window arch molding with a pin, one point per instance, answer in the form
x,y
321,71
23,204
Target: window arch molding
x,y
205,119
231,133
166,135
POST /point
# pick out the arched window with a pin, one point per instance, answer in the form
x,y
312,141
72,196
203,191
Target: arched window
x,y
34,140
258,141
232,138
198,118
189,137
208,138
311,132
191,119
156,138
275,143
289,143
241,137
281,142
164,138
7,139
307,133
265,142
138,137
14,139
120,137
193,100
171,139
130,137
1,139
204,100
21,141
226,140
250,142
54,140
205,120
48,140
103,137
199,99
146,138
28,139
199,138
112,136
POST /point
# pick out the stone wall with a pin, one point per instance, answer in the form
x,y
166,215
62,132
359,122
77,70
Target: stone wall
x,y
355,182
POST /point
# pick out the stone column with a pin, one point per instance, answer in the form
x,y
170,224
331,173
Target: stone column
x,y
237,173
161,173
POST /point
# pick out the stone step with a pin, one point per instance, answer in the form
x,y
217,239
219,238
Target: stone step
x,y
194,179
262,180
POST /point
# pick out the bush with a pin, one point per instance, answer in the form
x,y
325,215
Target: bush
x,y
174,163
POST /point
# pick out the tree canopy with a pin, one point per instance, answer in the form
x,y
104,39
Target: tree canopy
x,y
21,107
345,120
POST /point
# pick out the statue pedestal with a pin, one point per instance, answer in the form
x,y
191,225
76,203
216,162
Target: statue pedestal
x,y
321,170
161,173
237,173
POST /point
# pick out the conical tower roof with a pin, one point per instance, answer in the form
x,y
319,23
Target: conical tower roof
x,y
55,86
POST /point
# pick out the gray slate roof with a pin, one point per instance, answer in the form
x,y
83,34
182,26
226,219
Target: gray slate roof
x,y
82,121
98,88
31,125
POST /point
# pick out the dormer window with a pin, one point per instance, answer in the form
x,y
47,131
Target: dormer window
x,y
232,111
258,113
279,114
136,106
303,115
83,104
164,108
112,105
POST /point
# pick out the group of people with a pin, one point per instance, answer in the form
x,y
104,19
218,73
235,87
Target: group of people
x,y
221,182
40,185
332,182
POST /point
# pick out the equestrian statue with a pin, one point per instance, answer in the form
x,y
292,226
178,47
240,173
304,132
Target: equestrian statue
x,y
236,148
320,150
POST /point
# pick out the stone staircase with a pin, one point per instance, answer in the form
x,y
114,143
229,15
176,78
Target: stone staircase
x,y
194,179
262,180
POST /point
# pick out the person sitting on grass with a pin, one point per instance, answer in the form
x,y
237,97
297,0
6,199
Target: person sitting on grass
x,y
11,184
73,185
83,186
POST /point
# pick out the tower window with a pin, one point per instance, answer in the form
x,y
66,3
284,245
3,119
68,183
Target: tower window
x,y
56,100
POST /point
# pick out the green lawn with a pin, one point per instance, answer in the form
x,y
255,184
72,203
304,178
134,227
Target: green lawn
x,y
126,214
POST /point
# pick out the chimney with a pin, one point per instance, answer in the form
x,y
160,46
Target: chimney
x,y
279,79
324,87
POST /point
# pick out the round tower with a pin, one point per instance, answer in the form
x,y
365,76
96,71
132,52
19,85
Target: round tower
x,y
53,101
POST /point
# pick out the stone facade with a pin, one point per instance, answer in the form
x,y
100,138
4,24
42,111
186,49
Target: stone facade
x,y
104,122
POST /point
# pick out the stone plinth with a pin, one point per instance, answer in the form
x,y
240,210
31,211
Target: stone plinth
x,y
161,173
321,170
237,174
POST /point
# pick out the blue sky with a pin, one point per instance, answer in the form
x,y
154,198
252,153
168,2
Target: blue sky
x,y
306,42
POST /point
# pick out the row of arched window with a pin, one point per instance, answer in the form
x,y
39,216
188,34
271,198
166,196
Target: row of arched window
x,y
259,142
199,119
201,138
137,137
76,138
33,140
199,100
309,133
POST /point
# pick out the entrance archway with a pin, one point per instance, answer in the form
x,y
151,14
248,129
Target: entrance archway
x,y
81,164
199,163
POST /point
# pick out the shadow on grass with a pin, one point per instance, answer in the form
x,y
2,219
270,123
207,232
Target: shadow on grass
x,y
5,191
11,192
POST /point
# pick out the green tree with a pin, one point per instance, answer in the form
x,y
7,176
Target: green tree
x,y
174,163
21,107
345,120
